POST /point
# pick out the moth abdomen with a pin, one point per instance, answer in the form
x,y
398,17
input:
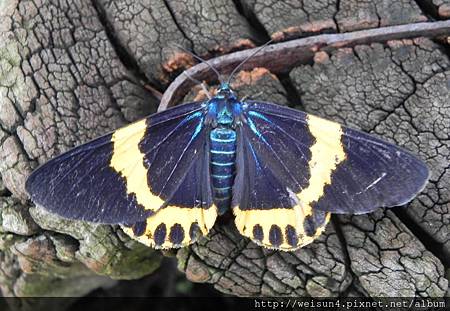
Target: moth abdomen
x,y
223,156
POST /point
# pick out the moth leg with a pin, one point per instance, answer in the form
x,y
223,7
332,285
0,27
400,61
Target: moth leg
x,y
202,84
206,90
254,96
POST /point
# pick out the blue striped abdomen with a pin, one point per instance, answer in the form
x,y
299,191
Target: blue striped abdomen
x,y
223,155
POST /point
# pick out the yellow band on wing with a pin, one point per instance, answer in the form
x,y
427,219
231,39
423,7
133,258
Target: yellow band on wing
x,y
128,161
326,153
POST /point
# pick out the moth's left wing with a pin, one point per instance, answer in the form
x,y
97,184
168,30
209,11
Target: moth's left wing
x,y
293,169
152,174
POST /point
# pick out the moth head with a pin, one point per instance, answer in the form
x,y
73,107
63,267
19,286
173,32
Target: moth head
x,y
224,91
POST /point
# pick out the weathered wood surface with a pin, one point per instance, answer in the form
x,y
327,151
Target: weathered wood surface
x,y
71,71
284,56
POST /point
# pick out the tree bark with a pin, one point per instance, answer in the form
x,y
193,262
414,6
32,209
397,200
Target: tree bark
x,y
72,71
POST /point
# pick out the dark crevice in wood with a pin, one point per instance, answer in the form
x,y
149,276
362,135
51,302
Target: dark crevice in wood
x,y
5,192
444,45
257,27
174,19
355,285
125,58
427,7
292,93
338,6
342,241
281,57
422,235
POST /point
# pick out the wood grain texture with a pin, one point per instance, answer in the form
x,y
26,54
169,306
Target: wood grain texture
x,y
71,71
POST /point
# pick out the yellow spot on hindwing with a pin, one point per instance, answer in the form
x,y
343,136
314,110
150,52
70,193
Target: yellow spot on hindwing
x,y
171,215
128,161
282,217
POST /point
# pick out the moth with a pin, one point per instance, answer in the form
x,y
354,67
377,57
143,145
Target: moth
x,y
165,179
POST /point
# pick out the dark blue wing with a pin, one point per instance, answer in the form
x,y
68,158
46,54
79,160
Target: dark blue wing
x,y
132,173
304,166
271,164
366,172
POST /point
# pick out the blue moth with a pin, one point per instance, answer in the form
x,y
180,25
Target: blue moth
x,y
281,172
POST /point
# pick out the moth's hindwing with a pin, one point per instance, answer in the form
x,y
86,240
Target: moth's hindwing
x,y
189,211
144,173
173,226
293,169
270,170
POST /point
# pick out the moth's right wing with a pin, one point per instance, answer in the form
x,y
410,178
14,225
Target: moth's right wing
x,y
294,169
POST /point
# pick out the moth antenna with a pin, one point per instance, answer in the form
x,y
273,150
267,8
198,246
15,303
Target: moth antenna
x,y
219,76
246,59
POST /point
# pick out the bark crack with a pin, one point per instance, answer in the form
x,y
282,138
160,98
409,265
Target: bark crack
x,y
127,60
